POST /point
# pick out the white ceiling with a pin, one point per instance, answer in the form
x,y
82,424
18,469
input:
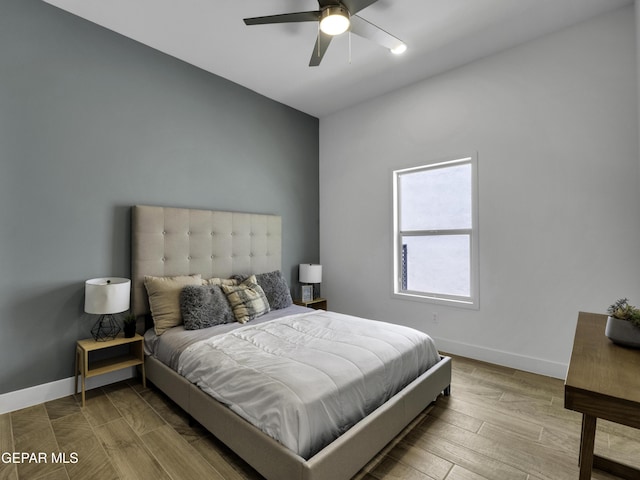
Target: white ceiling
x,y
273,59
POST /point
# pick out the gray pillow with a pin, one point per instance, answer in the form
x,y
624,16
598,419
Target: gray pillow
x,y
275,288
204,306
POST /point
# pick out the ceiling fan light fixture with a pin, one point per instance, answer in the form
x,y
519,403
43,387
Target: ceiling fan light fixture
x,y
400,49
334,20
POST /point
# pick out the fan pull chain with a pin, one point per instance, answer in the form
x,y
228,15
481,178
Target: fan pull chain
x,y
349,47
319,39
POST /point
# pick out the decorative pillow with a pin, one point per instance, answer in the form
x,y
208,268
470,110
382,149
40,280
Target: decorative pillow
x,y
275,288
204,306
164,299
247,300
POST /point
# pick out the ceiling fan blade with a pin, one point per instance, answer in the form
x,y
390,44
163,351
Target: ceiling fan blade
x,y
368,30
319,49
354,6
284,18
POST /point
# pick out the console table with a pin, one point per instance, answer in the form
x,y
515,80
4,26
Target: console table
x,y
603,381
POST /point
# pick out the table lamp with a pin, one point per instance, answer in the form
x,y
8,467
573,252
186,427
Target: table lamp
x,y
310,273
106,297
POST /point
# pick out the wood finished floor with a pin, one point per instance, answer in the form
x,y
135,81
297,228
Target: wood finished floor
x,y
498,424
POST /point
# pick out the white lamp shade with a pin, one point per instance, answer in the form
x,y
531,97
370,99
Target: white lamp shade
x,y
107,295
310,273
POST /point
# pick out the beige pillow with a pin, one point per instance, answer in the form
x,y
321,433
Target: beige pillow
x,y
164,299
247,300
220,281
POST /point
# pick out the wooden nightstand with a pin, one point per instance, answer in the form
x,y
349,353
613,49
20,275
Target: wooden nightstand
x,y
316,303
87,367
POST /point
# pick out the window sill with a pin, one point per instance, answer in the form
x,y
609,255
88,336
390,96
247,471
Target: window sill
x,y
414,297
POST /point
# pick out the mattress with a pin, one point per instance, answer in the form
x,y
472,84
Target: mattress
x,y
306,378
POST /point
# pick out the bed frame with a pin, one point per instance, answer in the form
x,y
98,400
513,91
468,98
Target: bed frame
x,y
178,241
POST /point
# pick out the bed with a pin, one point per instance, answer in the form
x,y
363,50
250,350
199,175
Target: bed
x,y
176,241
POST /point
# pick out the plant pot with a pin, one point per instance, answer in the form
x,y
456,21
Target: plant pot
x,y
622,332
129,331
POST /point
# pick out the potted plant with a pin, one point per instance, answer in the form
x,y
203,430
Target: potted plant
x,y
623,324
129,325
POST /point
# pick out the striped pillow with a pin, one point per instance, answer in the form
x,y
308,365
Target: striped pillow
x,y
247,300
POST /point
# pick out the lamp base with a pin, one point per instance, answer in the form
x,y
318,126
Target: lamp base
x,y
106,328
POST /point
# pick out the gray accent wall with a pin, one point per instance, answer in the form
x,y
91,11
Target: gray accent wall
x,y
92,123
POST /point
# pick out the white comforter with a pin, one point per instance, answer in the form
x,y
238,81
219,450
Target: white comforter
x,y
305,379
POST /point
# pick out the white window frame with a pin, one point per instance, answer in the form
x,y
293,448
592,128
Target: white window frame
x,y
471,301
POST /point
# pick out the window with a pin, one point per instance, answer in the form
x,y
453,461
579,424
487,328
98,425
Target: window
x,y
436,232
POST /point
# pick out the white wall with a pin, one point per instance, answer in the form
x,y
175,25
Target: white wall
x,y
637,10
554,122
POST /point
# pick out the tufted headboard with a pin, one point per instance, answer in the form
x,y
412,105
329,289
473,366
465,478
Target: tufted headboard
x,y
182,241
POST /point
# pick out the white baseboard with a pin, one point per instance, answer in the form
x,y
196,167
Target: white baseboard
x,y
506,359
46,392
51,391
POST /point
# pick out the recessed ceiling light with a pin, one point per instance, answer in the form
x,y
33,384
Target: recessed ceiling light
x,y
334,20
399,49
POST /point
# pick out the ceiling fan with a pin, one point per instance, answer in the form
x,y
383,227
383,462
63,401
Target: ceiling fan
x,y
334,18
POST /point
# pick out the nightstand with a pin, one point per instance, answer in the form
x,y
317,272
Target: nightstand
x,y
87,367
316,303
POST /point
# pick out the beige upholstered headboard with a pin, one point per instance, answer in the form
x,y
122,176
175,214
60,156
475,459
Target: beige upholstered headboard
x,y
181,241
